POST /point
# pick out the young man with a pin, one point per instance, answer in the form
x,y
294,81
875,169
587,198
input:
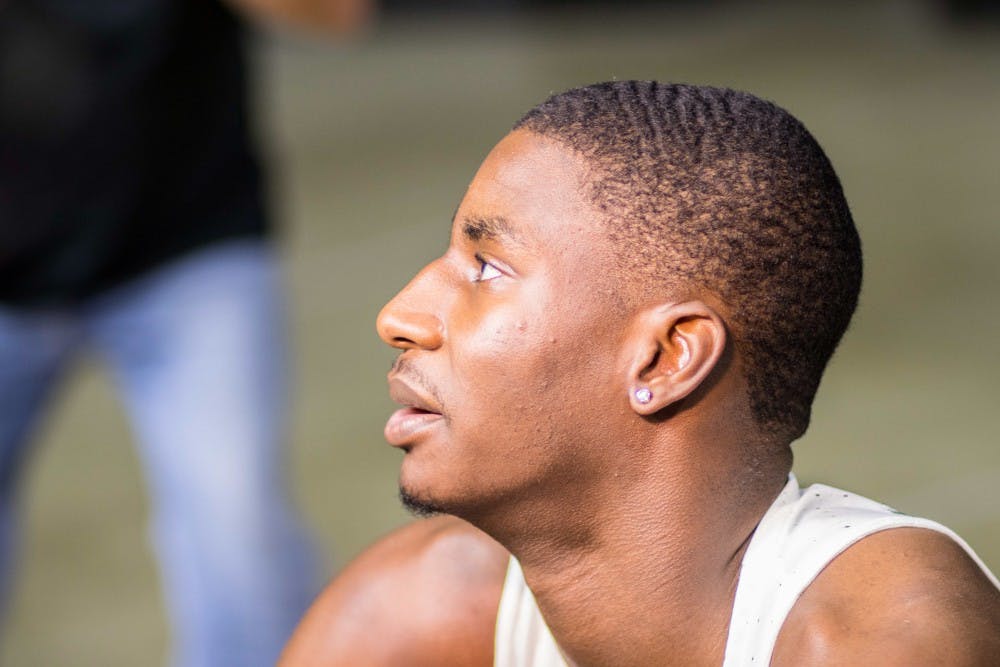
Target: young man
x,y
602,377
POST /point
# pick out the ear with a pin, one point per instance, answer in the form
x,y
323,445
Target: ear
x,y
673,349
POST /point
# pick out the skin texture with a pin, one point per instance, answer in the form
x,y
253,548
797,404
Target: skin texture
x,y
518,371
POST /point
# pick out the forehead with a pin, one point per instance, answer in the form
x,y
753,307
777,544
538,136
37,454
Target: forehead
x,y
531,189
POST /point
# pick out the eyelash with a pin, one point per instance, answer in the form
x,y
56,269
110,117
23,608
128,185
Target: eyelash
x,y
482,266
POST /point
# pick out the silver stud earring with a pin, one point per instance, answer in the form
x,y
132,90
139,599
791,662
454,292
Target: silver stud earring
x,y
643,395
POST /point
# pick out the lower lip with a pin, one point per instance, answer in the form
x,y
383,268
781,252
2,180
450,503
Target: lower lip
x,y
405,424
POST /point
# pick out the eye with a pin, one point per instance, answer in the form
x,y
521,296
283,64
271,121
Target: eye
x,y
486,271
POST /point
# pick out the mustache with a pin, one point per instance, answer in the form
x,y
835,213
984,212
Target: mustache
x,y
404,368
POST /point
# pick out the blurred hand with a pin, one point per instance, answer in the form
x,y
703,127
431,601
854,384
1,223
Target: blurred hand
x,y
339,17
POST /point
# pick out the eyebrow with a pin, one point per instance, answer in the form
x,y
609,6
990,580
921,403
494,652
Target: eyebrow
x,y
476,228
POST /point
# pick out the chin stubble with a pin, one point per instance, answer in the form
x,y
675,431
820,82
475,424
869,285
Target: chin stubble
x,y
419,507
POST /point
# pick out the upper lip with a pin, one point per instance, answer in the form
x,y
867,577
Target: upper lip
x,y
402,392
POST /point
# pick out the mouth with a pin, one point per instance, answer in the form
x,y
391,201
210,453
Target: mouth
x,y
419,412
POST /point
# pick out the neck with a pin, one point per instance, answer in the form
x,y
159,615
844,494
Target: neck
x,y
652,572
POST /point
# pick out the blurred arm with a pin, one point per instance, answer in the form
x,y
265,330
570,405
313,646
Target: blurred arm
x,y
426,595
339,17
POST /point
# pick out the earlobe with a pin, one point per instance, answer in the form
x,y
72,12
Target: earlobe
x,y
676,347
644,395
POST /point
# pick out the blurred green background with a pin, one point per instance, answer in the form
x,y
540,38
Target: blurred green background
x,y
372,144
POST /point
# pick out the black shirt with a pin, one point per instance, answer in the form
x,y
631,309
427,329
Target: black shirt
x,y
123,141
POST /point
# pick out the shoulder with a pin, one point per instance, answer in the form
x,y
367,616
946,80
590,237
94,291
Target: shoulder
x,y
427,594
905,596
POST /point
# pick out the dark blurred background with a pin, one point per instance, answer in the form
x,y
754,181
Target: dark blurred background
x,y
372,143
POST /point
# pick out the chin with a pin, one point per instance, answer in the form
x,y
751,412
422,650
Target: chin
x,y
423,500
414,493
419,506
423,488
428,487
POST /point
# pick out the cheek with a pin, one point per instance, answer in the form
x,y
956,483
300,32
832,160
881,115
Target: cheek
x,y
523,375
506,393
509,350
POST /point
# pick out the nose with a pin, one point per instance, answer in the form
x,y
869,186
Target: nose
x,y
408,320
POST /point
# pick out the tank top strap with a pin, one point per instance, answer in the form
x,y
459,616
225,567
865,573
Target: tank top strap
x,y
800,534
522,637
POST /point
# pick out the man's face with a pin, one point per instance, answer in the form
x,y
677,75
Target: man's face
x,y
509,368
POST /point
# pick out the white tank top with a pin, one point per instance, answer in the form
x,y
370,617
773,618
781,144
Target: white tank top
x,y
802,531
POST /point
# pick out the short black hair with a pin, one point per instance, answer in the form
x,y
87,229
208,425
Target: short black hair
x,y
711,188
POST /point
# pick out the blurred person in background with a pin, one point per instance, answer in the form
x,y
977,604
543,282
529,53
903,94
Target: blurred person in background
x,y
133,223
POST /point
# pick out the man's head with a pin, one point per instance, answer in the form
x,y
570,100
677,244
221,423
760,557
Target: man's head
x,y
717,189
617,240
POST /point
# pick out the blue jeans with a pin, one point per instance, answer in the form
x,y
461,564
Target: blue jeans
x,y
197,350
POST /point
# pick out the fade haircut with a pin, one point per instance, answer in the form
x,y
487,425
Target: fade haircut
x,y
710,188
